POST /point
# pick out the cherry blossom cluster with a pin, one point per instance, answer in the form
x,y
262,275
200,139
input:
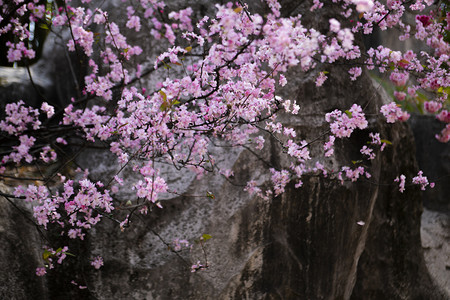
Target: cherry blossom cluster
x,y
430,26
422,181
50,256
19,118
353,174
392,112
342,124
217,81
75,210
419,180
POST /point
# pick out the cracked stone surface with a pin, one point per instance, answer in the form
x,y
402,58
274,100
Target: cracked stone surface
x,y
435,235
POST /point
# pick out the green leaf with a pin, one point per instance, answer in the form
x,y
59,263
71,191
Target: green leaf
x,y
164,106
206,237
46,255
210,195
349,113
421,97
356,162
386,142
164,96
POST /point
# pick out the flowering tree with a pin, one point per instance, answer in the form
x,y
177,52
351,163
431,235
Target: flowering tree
x,y
215,83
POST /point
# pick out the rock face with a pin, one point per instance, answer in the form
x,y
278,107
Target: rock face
x,y
305,244
433,157
435,234
20,254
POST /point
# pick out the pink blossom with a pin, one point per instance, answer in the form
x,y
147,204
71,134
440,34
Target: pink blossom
x,y
196,267
299,152
444,116
363,5
84,38
424,19
393,113
282,81
420,180
19,118
178,245
399,95
48,109
411,91
354,174
444,135
328,146
335,26
48,154
41,271
183,16
227,173
280,179
134,22
321,79
368,151
399,79
401,182
342,125
259,142
18,51
97,262
60,140
316,5
346,37
252,187
59,20
150,189
355,72
432,106
100,17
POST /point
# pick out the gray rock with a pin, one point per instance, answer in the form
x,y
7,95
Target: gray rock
x,y
20,254
433,158
435,234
